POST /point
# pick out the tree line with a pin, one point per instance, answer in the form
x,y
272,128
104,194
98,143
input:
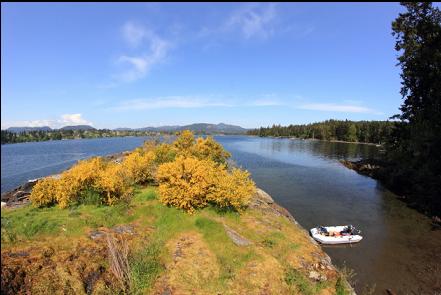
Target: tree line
x,y
352,131
41,135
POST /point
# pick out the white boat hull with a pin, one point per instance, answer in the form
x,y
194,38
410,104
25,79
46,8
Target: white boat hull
x,y
334,240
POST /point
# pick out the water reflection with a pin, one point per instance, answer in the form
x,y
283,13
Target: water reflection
x,y
399,251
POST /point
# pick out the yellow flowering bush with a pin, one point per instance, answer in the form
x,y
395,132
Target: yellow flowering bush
x,y
164,153
184,143
113,183
191,174
109,179
190,183
233,189
140,166
44,192
208,148
185,182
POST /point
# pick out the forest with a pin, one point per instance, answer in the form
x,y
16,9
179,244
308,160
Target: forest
x,y
352,131
40,135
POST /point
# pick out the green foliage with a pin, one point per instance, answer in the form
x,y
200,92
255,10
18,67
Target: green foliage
x,y
300,283
414,149
90,197
361,131
41,135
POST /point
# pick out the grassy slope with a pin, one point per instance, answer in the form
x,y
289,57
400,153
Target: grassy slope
x,y
49,251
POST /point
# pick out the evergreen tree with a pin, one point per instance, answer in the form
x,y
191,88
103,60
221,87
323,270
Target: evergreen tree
x,y
415,146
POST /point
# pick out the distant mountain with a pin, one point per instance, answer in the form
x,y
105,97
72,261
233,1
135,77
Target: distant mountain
x,y
77,127
200,128
27,129
160,128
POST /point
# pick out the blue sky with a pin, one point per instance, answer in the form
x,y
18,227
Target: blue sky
x,y
138,64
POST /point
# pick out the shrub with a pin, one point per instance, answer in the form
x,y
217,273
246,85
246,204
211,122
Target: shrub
x,y
140,166
164,153
184,143
208,148
90,181
185,182
190,183
113,183
69,189
44,192
77,179
233,189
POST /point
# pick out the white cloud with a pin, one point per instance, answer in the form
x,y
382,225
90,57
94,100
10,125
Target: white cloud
x,y
187,102
64,120
333,107
253,20
169,102
155,51
74,119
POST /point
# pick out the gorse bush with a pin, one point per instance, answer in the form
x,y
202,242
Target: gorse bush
x,y
164,153
95,175
190,183
186,182
44,192
77,179
191,174
140,166
114,183
233,189
208,148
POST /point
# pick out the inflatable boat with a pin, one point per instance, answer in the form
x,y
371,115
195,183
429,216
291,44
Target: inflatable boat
x,y
343,234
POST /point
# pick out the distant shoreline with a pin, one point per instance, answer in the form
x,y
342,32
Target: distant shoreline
x,y
220,134
315,139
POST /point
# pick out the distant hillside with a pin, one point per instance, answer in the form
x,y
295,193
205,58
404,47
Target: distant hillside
x,y
200,128
27,129
47,128
77,127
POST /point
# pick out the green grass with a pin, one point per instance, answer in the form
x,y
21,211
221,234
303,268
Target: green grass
x,y
296,279
157,226
229,256
145,267
29,223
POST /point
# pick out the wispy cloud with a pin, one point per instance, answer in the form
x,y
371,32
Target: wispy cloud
x,y
210,101
187,102
250,21
133,34
64,120
154,50
341,108
169,102
253,20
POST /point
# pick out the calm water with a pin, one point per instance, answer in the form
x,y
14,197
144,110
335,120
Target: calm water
x,y
399,250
